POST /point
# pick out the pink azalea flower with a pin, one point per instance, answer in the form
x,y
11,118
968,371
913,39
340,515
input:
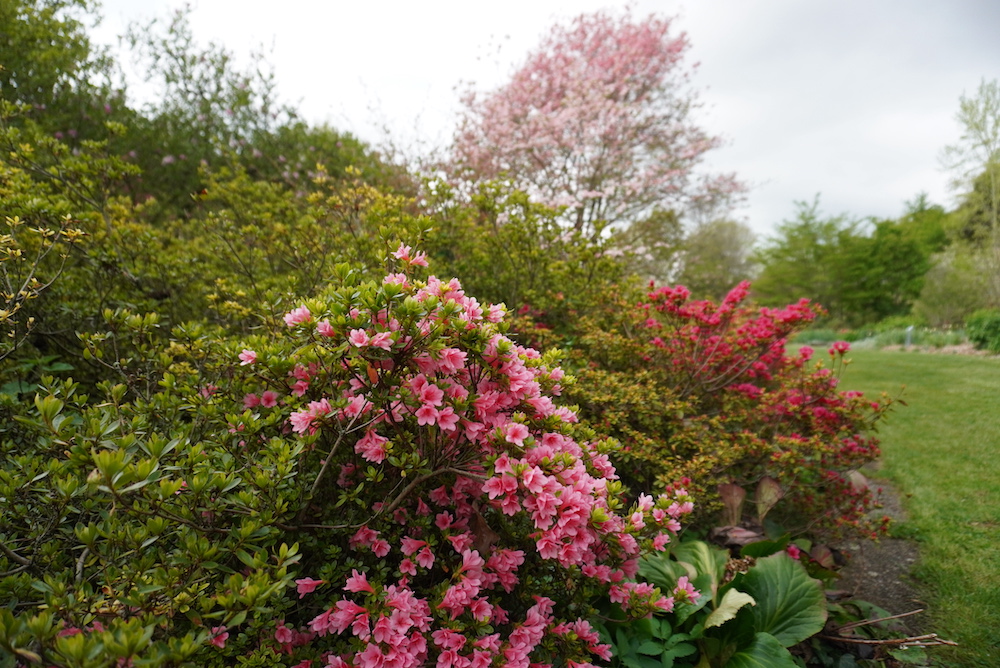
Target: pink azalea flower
x,y
358,582
685,591
307,586
398,279
660,542
381,340
380,548
839,347
402,253
269,399
411,545
515,432
324,328
425,558
426,415
298,316
283,634
447,419
248,357
358,338
219,636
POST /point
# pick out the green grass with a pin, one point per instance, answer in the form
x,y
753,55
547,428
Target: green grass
x,y
942,451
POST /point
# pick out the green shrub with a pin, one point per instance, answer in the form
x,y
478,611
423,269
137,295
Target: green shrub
x,y
983,329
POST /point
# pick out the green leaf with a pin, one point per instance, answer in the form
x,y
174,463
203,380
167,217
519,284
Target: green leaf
x,y
658,569
764,652
680,650
765,548
730,604
650,647
790,604
700,558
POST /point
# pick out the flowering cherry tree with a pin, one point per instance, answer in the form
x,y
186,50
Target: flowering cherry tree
x,y
473,521
597,119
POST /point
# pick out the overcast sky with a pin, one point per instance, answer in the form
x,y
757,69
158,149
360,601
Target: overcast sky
x,y
851,99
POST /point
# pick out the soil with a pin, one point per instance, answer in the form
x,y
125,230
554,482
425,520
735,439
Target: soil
x,y
880,571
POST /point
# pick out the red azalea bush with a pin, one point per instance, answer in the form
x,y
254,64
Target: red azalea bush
x,y
460,515
709,391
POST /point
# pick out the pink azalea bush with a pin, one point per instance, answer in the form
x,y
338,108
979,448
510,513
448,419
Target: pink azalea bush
x,y
457,515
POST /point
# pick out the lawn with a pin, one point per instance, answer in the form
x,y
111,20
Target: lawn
x,y
942,451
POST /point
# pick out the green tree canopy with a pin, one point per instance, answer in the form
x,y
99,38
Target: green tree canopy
x,y
861,271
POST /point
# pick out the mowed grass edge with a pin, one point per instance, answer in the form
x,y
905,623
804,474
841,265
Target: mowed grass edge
x,y
942,451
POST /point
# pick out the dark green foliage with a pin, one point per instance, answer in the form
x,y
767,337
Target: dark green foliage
x,y
861,273
983,329
51,68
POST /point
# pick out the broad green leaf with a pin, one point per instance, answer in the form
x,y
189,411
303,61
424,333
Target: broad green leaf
x,y
764,652
659,569
764,548
700,558
790,604
730,604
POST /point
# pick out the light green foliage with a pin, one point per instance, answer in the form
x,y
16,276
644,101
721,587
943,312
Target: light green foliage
x,y
648,643
514,251
653,244
803,259
128,518
956,285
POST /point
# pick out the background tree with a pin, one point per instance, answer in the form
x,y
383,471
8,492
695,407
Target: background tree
x,y
978,150
50,65
653,245
803,259
861,272
210,113
954,287
717,255
597,119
